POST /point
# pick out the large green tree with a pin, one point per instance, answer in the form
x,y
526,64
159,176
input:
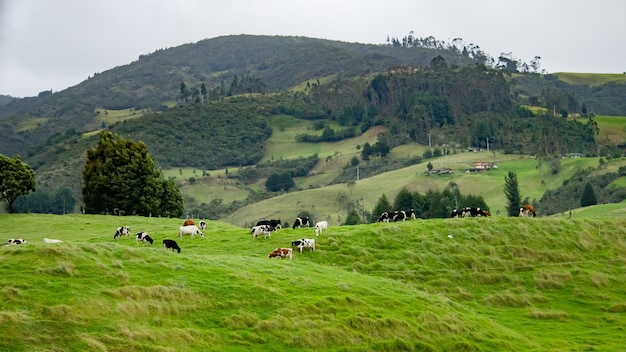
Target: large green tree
x,y
120,177
512,193
16,179
588,196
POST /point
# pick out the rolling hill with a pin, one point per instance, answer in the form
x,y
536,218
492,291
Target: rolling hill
x,y
505,284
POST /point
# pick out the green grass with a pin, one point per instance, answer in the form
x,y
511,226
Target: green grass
x,y
32,123
612,128
499,284
591,79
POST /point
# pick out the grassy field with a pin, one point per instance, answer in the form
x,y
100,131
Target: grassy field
x,y
612,128
477,284
591,79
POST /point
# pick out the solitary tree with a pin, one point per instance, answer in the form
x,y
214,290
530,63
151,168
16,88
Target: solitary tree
x,y
513,196
588,197
16,179
120,176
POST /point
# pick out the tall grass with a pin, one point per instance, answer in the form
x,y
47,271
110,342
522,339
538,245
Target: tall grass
x,y
504,284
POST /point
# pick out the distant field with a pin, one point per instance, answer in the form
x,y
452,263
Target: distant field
x,y
112,116
590,79
612,128
32,123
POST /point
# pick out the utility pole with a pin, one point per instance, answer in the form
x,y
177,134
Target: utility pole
x,y
357,172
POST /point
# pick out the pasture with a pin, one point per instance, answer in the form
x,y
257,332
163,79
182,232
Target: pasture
x,y
489,284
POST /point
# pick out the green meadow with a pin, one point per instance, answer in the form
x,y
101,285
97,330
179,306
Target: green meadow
x,y
476,284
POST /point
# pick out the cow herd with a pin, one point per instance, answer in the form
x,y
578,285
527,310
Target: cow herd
x,y
396,215
266,227
189,228
469,212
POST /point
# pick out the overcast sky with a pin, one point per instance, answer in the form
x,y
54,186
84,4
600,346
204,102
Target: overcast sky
x,y
56,44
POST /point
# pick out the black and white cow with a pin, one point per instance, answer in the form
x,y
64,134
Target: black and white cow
x,y
265,230
399,216
304,243
301,222
274,223
14,241
143,237
171,244
121,231
384,217
202,225
456,213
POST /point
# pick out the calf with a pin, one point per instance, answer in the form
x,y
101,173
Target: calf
x,y
143,237
202,225
121,231
171,244
304,243
189,230
14,241
301,222
321,227
265,230
282,253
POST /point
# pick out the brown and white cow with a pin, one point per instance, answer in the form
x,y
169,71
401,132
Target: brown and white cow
x,y
282,253
189,222
527,210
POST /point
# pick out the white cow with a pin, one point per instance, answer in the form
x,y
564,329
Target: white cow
x,y
50,240
321,227
189,230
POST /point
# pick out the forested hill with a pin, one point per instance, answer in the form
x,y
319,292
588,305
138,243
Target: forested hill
x,y
154,80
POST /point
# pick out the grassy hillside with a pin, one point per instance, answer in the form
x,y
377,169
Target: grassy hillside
x,y
591,79
489,284
328,203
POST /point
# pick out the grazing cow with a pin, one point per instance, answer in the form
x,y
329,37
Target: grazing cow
x,y
282,253
304,243
143,237
411,214
121,231
274,222
202,225
188,222
171,244
190,230
399,216
14,241
321,227
527,210
301,222
456,213
50,240
477,212
265,230
384,217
